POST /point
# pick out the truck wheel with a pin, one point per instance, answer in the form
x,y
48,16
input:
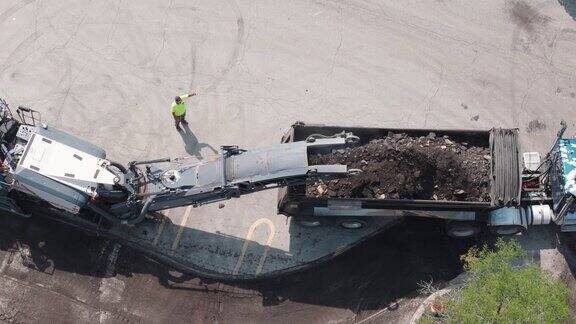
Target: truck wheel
x,y
462,229
310,222
352,224
507,229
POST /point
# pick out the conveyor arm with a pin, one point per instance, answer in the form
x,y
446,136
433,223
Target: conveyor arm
x,y
232,173
73,174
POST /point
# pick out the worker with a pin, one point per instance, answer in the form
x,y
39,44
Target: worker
x,y
179,110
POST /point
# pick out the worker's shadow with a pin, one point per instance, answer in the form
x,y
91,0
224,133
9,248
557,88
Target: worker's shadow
x,y
192,146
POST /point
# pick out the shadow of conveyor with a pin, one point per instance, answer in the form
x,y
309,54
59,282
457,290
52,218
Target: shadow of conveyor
x,y
370,276
191,143
569,6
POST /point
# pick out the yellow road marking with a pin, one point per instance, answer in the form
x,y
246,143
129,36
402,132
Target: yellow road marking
x,y
161,227
181,229
339,250
247,241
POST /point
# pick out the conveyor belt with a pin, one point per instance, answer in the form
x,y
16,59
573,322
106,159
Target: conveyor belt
x,y
505,167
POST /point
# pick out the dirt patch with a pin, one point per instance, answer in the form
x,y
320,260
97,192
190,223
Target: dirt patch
x,y
527,17
535,125
404,167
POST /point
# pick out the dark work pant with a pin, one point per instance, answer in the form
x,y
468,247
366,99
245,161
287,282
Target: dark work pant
x,y
179,119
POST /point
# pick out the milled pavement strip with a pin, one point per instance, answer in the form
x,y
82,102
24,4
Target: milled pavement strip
x,y
181,229
161,227
4,262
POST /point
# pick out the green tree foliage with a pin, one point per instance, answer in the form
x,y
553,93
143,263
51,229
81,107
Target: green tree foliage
x,y
502,289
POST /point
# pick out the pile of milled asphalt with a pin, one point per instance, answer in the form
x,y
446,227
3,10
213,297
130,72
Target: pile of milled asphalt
x,y
400,166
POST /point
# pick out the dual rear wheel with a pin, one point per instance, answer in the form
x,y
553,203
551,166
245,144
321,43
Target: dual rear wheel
x,y
455,229
346,223
462,229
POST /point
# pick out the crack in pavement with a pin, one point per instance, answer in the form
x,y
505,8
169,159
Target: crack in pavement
x,y
164,29
429,105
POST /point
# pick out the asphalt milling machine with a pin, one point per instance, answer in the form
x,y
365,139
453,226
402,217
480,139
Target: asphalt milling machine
x,y
50,173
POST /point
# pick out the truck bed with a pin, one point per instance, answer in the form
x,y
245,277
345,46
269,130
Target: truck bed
x,y
504,179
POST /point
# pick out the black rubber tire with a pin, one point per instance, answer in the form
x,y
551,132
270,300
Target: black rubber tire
x,y
507,230
310,222
352,224
462,229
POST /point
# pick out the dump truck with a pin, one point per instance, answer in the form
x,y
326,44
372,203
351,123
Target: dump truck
x,y
523,190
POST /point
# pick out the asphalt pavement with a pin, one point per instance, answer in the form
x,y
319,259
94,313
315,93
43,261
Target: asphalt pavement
x,y
107,71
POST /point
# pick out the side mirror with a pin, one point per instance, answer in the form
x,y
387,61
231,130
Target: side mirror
x,y
562,129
